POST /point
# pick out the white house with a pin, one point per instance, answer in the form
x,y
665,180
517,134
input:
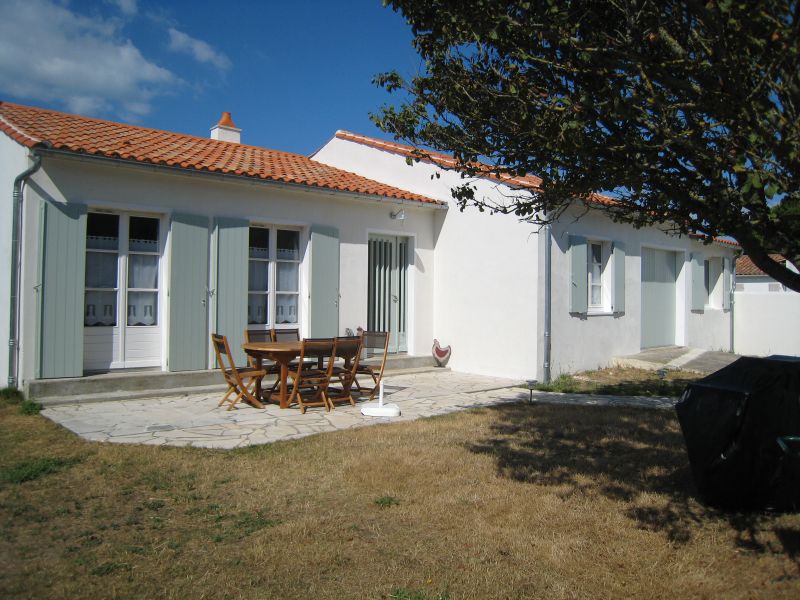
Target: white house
x,y
136,243
130,245
767,313
613,289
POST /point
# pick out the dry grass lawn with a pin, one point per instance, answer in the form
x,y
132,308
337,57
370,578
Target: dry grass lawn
x,y
517,501
623,381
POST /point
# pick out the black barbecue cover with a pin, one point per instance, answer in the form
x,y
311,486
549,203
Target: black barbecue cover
x,y
741,426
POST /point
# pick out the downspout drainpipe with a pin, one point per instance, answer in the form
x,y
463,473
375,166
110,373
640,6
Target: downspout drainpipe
x,y
16,228
547,302
733,300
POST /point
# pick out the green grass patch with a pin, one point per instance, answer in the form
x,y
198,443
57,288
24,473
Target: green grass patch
x,y
251,522
28,407
621,382
34,469
404,594
386,501
11,395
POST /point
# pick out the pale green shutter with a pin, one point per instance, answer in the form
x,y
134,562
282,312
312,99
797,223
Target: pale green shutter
x,y
698,282
726,283
188,293
64,270
231,291
324,282
578,298
619,277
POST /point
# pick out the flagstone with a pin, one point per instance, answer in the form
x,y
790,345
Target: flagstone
x,y
198,421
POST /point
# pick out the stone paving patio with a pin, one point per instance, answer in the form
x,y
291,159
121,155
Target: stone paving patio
x,y
196,420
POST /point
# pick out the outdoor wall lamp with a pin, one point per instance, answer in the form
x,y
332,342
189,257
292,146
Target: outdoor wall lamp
x,y
398,215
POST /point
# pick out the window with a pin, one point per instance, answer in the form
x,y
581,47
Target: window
x,y
595,271
102,257
122,256
597,276
273,277
712,281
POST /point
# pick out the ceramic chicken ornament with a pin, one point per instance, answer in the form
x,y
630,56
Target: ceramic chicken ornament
x,y
441,355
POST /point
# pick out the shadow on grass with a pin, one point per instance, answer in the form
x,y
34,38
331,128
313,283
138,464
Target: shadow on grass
x,y
620,454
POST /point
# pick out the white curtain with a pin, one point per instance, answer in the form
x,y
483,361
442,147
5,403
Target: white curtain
x,y
286,308
100,309
258,276
142,308
287,277
143,271
101,270
257,309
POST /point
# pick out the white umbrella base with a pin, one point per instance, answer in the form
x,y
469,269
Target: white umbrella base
x,y
377,409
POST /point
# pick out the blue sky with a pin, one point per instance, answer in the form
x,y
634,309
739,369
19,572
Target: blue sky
x,y
291,73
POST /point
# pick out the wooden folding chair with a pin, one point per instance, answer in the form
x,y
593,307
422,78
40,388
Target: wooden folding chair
x,y
310,383
285,335
240,381
271,367
348,350
373,344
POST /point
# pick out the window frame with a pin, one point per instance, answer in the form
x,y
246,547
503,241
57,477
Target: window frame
x,y
713,275
591,283
272,292
604,283
123,253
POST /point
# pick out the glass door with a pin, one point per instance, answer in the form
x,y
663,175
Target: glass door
x,y
387,285
121,317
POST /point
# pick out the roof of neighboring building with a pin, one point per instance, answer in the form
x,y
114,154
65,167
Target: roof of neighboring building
x,y
34,127
448,162
746,268
716,240
437,158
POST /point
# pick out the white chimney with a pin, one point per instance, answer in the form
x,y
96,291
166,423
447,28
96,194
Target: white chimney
x,y
225,130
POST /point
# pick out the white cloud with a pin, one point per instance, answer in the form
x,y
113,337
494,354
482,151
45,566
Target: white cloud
x,y
198,49
127,7
52,54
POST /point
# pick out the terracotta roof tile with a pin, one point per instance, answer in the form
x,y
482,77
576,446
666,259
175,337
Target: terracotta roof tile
x,y
746,268
436,158
716,240
32,126
446,161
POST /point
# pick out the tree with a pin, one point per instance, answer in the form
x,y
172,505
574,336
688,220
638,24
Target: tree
x,y
685,112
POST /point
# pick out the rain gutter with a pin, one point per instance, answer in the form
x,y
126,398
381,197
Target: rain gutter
x,y
548,284
16,229
301,187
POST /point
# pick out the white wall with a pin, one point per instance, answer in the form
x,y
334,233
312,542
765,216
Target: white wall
x,y
485,273
486,261
765,322
122,187
13,161
581,342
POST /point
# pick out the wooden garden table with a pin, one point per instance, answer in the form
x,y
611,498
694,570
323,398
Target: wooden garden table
x,y
282,353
